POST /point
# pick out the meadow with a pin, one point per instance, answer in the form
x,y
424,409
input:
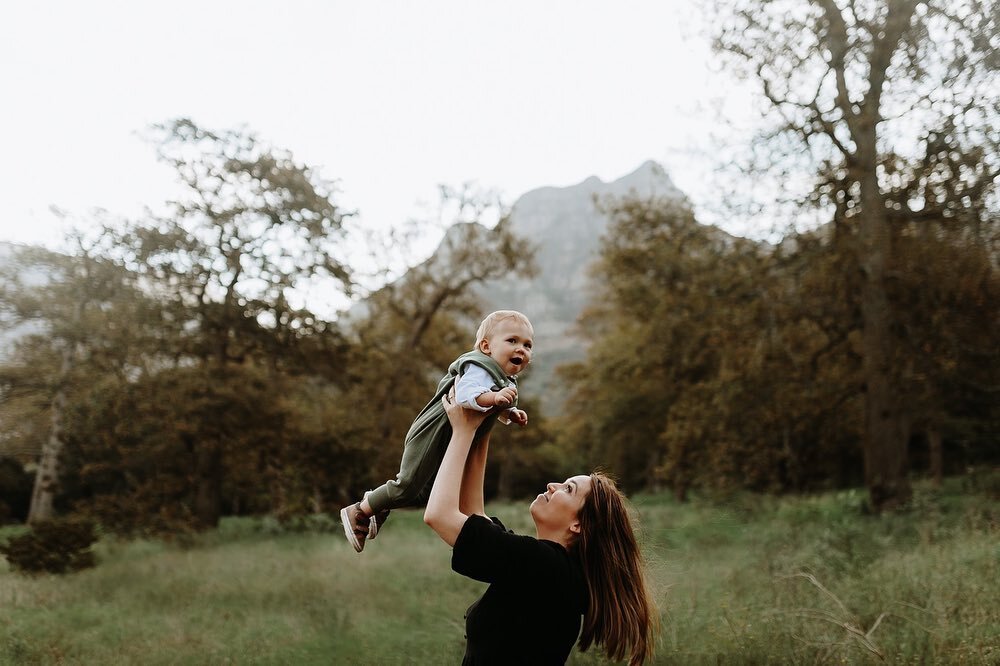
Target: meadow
x,y
745,579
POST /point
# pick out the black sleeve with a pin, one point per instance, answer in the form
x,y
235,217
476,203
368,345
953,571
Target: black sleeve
x,y
487,552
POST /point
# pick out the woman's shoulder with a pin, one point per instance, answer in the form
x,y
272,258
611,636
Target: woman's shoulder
x,y
486,550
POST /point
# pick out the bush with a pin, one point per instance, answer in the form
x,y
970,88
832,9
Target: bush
x,y
55,546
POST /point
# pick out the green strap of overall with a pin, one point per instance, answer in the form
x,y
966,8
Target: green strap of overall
x,y
433,410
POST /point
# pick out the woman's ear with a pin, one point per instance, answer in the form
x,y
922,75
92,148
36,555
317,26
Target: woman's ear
x,y
575,527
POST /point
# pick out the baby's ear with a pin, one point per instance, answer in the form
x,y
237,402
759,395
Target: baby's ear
x,y
484,346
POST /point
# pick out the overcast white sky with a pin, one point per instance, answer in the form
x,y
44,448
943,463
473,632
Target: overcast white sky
x,y
390,98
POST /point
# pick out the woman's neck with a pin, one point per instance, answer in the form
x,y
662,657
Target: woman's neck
x,y
562,538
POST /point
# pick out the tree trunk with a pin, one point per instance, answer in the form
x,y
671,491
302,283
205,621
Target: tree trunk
x,y
936,456
208,499
47,477
885,437
276,486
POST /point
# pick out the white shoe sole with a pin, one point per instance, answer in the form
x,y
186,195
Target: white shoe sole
x,y
345,520
372,522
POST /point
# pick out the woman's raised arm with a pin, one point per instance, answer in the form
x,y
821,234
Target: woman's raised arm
x,y
444,506
471,500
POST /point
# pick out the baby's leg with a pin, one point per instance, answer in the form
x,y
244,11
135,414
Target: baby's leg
x,y
421,458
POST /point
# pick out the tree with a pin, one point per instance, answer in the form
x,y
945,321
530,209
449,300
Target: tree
x,y
893,102
721,363
944,288
254,227
668,310
82,309
136,451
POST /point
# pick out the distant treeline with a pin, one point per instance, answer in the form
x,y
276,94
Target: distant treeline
x,y
175,373
733,364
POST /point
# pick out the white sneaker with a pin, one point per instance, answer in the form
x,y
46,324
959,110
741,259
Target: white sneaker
x,y
348,518
375,521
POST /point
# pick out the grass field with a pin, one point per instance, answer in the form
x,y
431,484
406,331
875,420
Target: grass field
x,y
745,580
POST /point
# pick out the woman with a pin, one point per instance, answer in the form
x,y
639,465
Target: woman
x,y
584,561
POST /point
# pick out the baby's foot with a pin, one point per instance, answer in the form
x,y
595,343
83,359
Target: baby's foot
x,y
356,525
375,522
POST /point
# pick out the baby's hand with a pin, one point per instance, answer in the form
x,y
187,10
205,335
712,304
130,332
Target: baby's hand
x,y
518,416
505,397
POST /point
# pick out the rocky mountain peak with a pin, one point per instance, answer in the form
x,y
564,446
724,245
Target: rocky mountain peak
x,y
566,226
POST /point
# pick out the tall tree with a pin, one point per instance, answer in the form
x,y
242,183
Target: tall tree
x,y
80,309
855,82
229,263
253,227
667,308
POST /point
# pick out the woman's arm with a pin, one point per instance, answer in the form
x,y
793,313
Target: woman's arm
x,y
443,513
473,479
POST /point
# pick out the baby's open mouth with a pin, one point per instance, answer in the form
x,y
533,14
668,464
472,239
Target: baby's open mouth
x,y
516,361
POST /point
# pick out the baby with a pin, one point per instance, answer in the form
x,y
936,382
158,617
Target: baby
x,y
484,379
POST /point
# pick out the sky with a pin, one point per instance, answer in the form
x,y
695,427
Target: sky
x,y
389,98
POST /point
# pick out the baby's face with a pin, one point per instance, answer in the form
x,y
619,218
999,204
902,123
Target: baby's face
x,y
510,346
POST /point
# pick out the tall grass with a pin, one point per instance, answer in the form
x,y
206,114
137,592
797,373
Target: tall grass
x,y
812,580
748,579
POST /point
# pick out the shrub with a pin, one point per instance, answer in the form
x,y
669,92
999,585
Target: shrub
x,y
55,546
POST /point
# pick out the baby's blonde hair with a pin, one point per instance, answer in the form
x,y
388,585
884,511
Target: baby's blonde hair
x,y
494,318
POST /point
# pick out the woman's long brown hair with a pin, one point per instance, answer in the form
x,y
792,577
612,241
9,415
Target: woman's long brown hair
x,y
621,617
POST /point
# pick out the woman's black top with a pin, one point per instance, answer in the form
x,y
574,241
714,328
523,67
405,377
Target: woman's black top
x,y
532,610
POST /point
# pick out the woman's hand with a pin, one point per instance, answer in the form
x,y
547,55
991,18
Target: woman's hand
x,y
461,419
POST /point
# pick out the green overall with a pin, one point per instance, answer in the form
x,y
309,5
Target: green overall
x,y
427,440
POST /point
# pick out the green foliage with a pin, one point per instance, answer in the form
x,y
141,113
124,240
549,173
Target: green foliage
x,y
945,288
719,363
58,546
141,454
705,367
253,226
889,108
647,338
81,316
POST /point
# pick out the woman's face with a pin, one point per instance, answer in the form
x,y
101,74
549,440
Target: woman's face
x,y
559,506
